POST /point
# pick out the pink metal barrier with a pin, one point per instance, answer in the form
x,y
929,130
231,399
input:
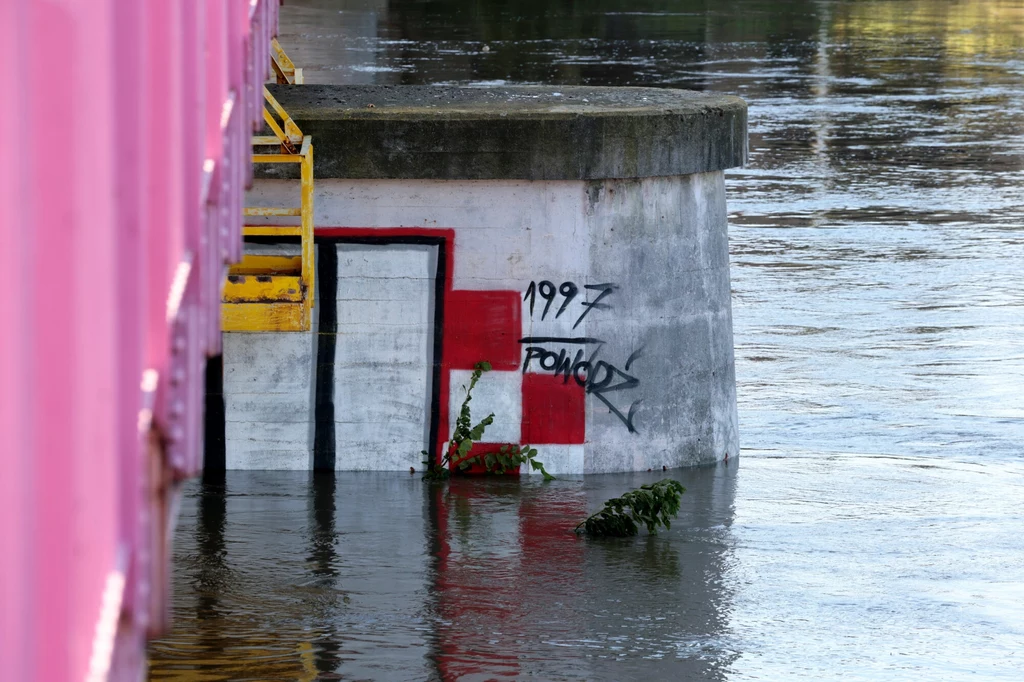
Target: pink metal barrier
x,y
125,157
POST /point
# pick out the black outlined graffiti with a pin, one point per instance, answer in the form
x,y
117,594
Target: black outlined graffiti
x,y
556,354
568,290
605,289
614,379
597,377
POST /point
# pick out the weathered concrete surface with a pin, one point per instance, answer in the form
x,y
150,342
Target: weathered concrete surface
x,y
268,400
666,241
523,132
662,243
383,356
585,255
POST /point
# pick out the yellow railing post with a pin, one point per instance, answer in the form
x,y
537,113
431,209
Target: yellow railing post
x,y
275,292
282,65
308,263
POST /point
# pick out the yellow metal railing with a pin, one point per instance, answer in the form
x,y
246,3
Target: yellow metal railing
x,y
283,68
274,292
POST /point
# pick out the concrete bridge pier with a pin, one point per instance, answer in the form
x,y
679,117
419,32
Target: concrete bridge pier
x,y
574,237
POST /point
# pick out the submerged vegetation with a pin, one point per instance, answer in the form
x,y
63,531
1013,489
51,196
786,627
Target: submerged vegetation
x,y
652,505
508,458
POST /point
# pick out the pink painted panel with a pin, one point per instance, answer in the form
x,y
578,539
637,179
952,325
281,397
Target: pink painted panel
x,y
114,257
17,583
130,101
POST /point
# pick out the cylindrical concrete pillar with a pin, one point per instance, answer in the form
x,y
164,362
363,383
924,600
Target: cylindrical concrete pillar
x,y
574,237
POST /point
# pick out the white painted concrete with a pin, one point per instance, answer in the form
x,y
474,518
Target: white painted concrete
x,y
662,242
558,460
384,355
508,232
268,400
500,393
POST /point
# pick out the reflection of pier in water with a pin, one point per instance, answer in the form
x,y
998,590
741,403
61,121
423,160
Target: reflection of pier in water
x,y
517,594
380,576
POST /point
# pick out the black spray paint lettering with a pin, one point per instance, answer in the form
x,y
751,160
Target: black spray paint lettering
x,y
597,377
568,290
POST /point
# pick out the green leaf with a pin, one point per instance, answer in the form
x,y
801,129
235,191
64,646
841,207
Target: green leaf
x,y
652,505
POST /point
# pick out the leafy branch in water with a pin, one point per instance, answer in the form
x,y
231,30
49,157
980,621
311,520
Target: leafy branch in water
x,y
651,505
465,435
508,458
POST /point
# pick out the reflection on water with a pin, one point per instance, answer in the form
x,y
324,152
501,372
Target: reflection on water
x,y
382,576
873,532
840,568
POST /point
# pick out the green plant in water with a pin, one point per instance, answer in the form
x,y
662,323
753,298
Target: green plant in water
x,y
508,458
651,505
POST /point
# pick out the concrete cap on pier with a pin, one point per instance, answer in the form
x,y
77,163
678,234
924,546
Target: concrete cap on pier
x,y
520,132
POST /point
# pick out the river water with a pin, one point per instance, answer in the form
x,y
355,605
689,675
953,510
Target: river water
x,y
873,528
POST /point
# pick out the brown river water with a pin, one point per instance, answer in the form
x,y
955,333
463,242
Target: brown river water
x,y
873,527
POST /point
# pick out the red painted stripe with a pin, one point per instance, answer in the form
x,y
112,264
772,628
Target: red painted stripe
x,y
483,326
554,410
480,449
